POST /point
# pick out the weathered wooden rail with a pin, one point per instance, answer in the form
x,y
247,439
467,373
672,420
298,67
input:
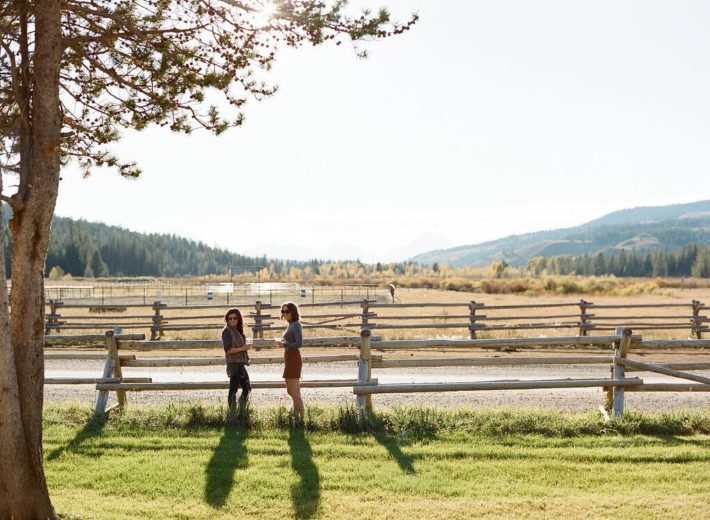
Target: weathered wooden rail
x,y
115,361
486,318
622,343
124,351
87,340
163,318
472,318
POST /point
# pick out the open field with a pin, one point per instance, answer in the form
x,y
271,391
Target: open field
x,y
185,463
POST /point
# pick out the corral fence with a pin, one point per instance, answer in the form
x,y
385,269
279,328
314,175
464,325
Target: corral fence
x,y
223,293
125,351
475,319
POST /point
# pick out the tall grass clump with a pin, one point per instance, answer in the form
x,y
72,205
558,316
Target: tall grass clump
x,y
348,418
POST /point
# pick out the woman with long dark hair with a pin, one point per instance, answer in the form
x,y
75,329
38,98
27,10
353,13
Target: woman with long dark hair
x,y
291,342
235,351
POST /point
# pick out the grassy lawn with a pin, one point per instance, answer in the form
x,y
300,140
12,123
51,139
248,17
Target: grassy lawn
x,y
189,463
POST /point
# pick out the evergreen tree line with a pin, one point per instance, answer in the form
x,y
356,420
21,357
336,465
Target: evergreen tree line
x,y
82,248
690,260
90,249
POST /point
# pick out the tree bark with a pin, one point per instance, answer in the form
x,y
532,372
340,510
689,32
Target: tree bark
x,y
23,487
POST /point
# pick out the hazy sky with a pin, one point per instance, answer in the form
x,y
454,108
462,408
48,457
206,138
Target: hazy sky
x,y
486,119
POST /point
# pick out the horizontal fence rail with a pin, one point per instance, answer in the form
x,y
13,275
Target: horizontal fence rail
x,y
123,351
473,319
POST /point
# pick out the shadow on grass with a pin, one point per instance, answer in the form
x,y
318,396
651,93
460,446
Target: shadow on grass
x,y
392,446
677,440
92,429
230,454
305,494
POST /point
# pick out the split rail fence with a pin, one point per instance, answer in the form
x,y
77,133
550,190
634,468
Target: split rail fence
x,y
124,351
474,319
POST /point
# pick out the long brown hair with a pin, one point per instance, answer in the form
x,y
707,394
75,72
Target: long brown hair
x,y
295,315
240,320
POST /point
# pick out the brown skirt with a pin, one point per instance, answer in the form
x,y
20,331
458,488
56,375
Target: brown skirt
x,y
293,363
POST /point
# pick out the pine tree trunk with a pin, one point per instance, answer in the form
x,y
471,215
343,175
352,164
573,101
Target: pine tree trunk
x,y
23,487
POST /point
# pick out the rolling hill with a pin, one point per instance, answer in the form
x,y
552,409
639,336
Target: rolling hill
x,y
644,228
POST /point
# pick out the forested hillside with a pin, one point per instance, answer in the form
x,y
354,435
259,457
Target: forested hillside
x,y
90,249
690,260
82,248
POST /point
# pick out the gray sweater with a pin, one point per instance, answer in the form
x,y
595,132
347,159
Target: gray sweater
x,y
293,337
228,342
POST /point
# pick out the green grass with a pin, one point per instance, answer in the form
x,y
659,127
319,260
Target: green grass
x,y
198,462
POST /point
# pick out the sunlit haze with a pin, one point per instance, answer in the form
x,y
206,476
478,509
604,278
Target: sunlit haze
x,y
485,120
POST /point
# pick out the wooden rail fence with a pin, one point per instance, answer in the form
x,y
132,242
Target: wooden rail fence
x,y
123,351
472,318
164,318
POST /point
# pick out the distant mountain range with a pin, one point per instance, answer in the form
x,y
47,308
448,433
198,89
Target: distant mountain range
x,y
644,228
340,251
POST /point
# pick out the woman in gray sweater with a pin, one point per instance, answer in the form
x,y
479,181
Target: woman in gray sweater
x,y
291,342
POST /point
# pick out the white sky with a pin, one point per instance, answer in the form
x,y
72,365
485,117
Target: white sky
x,y
485,120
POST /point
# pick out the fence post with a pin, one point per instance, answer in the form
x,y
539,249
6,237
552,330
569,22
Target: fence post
x,y
696,324
620,351
109,367
583,317
256,329
364,370
112,348
53,318
156,330
472,318
365,314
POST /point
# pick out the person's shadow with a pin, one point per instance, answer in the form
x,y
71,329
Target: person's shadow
x,y
229,455
93,428
305,494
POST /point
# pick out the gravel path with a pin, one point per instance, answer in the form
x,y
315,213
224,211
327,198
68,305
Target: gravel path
x,y
581,399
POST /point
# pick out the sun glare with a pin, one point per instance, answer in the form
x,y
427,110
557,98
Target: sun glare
x,y
266,12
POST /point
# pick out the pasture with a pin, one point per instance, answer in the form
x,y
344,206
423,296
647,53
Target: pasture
x,y
515,456
192,462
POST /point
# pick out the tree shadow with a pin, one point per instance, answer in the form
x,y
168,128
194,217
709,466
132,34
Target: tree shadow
x,y
305,494
93,428
391,444
230,454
